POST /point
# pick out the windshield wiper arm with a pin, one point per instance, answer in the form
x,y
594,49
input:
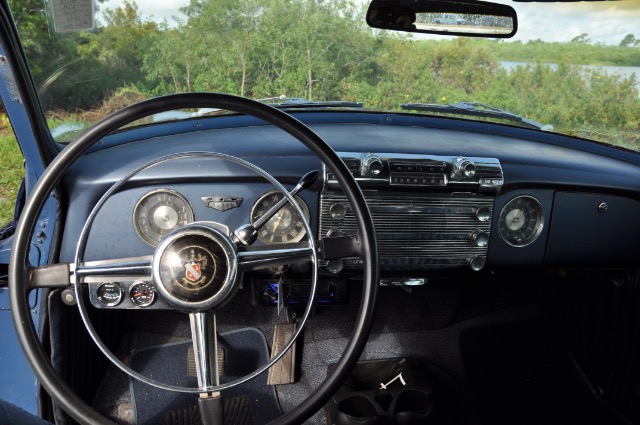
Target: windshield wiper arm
x,y
476,109
294,102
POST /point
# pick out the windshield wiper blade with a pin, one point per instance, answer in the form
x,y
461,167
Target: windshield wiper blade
x,y
476,109
285,103
294,102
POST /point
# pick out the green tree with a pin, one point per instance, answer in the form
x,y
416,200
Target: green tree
x,y
582,38
628,40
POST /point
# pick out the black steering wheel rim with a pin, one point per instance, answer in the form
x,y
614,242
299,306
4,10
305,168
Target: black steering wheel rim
x,y
20,270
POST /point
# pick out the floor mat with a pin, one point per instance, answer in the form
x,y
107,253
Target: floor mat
x,y
244,349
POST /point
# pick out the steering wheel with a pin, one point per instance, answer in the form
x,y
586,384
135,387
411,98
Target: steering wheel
x,y
233,257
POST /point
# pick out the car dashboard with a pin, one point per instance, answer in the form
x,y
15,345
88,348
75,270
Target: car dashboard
x,y
445,195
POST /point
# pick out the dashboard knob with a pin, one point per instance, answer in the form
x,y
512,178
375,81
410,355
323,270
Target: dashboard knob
x,y
371,165
480,238
464,168
483,213
476,263
338,211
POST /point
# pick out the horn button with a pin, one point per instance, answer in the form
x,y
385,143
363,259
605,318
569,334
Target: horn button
x,y
195,268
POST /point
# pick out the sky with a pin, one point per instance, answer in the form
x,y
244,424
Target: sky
x,y
604,21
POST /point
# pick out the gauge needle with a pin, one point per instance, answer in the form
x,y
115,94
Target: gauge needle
x,y
280,216
518,216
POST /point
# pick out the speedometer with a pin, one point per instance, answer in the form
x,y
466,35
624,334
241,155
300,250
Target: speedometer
x,y
160,212
286,225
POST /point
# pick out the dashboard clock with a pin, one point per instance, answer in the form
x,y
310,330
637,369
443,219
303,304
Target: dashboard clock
x,y
521,221
286,225
159,212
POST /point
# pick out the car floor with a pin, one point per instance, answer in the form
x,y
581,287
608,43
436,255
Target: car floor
x,y
480,348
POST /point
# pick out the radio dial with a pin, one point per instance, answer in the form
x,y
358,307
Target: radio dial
x,y
464,168
371,165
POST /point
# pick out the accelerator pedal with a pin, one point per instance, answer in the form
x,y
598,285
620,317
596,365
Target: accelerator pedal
x,y
284,370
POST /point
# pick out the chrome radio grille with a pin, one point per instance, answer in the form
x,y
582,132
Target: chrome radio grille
x,y
418,231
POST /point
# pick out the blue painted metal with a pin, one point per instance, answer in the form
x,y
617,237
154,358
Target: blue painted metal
x,y
18,384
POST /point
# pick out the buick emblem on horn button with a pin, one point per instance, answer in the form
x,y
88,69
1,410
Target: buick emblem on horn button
x,y
195,267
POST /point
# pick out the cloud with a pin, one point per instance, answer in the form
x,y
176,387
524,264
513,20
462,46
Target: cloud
x,y
604,21
155,10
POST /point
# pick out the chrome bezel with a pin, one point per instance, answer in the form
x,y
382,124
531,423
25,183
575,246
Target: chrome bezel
x,y
135,301
114,303
148,240
303,207
539,223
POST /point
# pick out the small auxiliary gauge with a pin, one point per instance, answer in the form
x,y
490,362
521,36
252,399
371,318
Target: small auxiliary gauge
x,y
109,293
521,221
160,212
142,294
286,225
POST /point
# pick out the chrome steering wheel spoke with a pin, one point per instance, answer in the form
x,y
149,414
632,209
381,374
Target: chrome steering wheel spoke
x,y
122,268
205,349
259,257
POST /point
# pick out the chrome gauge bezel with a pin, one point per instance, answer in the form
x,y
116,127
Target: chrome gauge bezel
x,y
136,301
533,214
265,233
152,236
116,301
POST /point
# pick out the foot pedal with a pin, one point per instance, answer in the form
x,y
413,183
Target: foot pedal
x,y
284,370
191,362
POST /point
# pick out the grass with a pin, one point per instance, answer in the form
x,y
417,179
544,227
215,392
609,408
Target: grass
x,y
11,173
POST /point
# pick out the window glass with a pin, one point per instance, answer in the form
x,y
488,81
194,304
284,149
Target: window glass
x,y
11,170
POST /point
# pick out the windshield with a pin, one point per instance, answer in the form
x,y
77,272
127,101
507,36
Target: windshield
x,y
572,67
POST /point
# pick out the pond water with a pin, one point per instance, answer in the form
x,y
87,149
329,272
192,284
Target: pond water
x,y
621,71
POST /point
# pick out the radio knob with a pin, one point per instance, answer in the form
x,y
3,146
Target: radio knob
x,y
476,263
464,168
483,213
338,211
480,238
371,165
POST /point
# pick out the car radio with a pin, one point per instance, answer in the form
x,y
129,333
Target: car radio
x,y
296,291
430,212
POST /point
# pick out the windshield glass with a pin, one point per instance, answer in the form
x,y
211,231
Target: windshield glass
x,y
572,67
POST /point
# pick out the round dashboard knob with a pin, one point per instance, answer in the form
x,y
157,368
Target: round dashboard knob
x,y
371,165
465,168
476,263
338,211
483,213
480,238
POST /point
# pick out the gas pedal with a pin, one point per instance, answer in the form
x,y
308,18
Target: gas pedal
x,y
284,370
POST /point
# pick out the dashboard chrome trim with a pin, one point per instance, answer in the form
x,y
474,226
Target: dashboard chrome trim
x,y
412,170
444,222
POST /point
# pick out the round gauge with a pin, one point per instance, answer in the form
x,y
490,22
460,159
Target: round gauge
x,y
142,294
109,293
286,225
160,212
521,221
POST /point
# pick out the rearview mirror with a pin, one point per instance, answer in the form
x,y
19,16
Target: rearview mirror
x,y
449,17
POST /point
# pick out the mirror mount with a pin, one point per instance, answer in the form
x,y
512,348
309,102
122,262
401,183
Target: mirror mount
x,y
448,17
